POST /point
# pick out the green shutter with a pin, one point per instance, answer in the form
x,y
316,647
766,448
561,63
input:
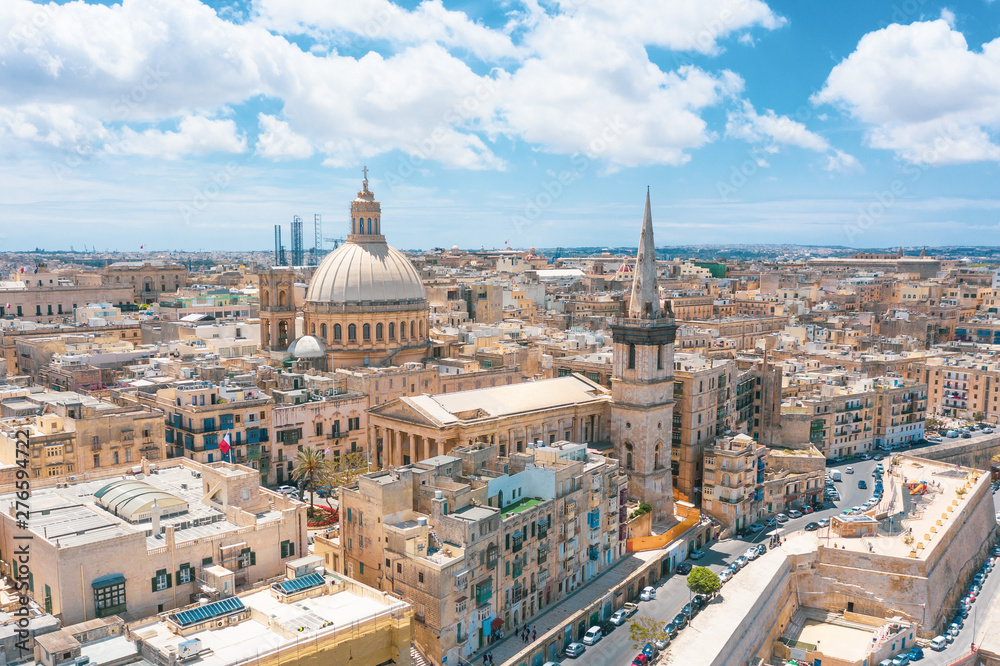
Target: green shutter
x,y
154,583
253,558
206,561
291,548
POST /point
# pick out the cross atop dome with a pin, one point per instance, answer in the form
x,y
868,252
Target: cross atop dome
x,y
364,183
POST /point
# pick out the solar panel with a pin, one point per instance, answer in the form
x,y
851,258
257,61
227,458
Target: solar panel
x,y
209,611
306,582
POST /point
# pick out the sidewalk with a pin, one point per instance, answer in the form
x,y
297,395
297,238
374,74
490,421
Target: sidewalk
x,y
510,645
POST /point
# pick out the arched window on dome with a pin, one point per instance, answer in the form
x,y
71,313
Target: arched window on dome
x,y
369,225
352,332
402,330
378,331
336,332
392,330
366,331
322,332
377,226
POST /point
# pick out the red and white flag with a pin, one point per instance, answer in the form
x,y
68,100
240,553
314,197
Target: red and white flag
x,y
226,443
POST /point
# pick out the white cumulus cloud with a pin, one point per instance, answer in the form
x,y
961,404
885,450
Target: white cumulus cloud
x,y
194,136
278,141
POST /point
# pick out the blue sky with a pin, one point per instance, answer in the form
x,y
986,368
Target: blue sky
x,y
184,125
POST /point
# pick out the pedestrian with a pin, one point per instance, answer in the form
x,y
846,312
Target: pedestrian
x,y
534,634
486,658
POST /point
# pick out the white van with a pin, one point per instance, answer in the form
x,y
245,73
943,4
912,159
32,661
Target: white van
x,y
939,643
836,475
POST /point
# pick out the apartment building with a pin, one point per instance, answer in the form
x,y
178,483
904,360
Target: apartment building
x,y
152,540
793,479
146,279
965,387
900,410
841,420
478,549
732,490
704,408
73,435
200,413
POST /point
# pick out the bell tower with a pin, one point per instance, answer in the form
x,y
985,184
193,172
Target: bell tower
x,y
276,291
642,384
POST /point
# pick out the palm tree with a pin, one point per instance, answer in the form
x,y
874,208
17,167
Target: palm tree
x,y
311,467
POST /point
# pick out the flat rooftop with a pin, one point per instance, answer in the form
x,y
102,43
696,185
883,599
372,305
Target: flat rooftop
x,y
835,640
255,637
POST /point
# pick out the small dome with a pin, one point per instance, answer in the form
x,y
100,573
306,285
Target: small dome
x,y
365,273
454,248
308,346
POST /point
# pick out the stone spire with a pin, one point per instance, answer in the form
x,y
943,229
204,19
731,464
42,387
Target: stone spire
x,y
645,300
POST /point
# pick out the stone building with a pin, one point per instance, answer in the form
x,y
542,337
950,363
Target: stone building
x,y
152,540
477,549
732,490
52,297
704,408
963,387
840,421
147,280
73,435
418,427
200,413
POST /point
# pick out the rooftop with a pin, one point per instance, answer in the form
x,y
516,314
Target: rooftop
x,y
519,506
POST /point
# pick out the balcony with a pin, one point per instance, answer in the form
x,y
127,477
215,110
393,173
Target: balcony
x,y
569,554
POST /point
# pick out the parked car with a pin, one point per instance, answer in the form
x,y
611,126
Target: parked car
x,y
684,568
650,650
772,522
648,593
761,548
811,527
838,459
680,620
741,562
953,630
752,553
794,513
916,653
696,555
939,643
755,527
782,518
900,660
725,575
823,522
661,644
618,617
878,456
988,431
699,601
640,660
670,629
593,635
807,509
574,650
689,610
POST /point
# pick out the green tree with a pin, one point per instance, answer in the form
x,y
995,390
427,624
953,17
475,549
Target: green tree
x,y
703,580
311,468
643,630
932,424
978,416
345,470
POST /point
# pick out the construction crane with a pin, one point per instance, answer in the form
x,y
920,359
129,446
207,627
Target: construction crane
x,y
336,241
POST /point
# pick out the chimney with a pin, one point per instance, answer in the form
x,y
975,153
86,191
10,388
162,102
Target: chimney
x,y
156,519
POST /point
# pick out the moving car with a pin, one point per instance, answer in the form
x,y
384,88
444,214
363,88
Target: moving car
x,y
878,456
966,435
574,650
811,527
849,470
593,635
836,475
862,485
648,593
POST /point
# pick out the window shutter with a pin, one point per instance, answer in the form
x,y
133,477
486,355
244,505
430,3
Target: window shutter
x,y
253,558
291,548
154,583
169,582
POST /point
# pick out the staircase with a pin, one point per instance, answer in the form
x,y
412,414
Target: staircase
x,y
439,544
417,658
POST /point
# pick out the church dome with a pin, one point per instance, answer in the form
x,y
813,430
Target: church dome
x,y
361,273
308,346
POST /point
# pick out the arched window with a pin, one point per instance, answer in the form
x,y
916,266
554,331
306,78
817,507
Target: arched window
x,y
628,456
413,329
313,329
376,225
392,330
369,225
378,331
322,332
336,331
421,328
366,331
402,330
656,457
659,357
352,332
631,356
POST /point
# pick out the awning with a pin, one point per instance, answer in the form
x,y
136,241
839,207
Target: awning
x,y
496,623
107,581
